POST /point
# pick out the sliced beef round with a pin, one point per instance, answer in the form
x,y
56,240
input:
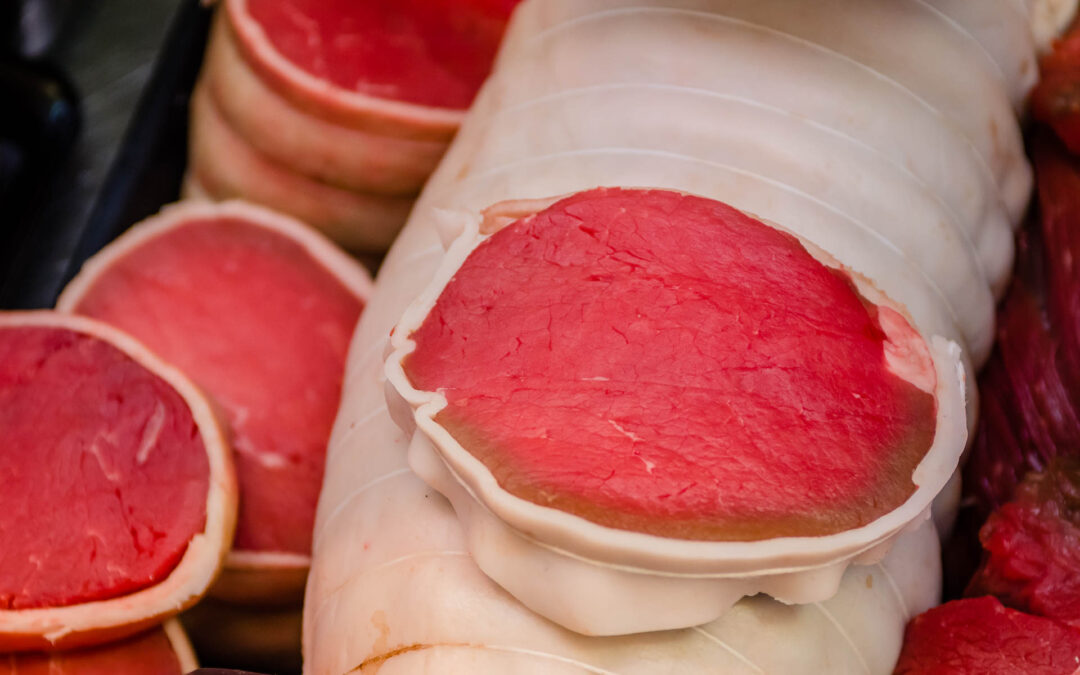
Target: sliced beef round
x,y
655,363
224,166
979,636
1032,546
117,495
336,154
258,310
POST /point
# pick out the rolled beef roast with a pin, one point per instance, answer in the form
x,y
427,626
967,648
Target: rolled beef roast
x,y
336,112
560,445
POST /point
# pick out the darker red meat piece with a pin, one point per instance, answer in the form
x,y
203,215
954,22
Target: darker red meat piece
x,y
1032,545
1027,410
1030,387
979,636
1058,175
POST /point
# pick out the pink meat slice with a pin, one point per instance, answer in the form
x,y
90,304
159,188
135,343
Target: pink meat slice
x,y
662,363
979,636
429,52
263,327
148,654
103,473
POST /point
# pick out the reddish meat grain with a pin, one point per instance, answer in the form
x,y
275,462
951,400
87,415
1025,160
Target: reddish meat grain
x,y
417,51
1058,176
1029,388
103,473
662,363
979,636
1027,414
263,327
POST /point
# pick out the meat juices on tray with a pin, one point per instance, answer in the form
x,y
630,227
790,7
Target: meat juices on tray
x,y
341,102
661,363
797,114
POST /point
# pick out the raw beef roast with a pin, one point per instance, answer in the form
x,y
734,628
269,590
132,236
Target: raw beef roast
x,y
257,309
118,495
406,66
678,293
344,156
796,114
688,455
337,112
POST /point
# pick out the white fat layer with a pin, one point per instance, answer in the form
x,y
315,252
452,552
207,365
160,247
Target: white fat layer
x,y
151,433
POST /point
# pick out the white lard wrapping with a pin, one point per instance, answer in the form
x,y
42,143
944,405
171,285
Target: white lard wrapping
x,y
884,132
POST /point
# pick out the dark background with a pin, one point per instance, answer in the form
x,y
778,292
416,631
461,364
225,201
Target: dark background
x,y
104,51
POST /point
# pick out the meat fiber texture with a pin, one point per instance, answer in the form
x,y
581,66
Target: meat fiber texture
x,y
802,116
1032,546
1031,386
656,523
1027,616
979,636
268,346
342,140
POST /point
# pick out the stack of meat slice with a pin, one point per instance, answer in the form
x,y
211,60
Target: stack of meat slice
x,y
336,111
257,309
678,335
